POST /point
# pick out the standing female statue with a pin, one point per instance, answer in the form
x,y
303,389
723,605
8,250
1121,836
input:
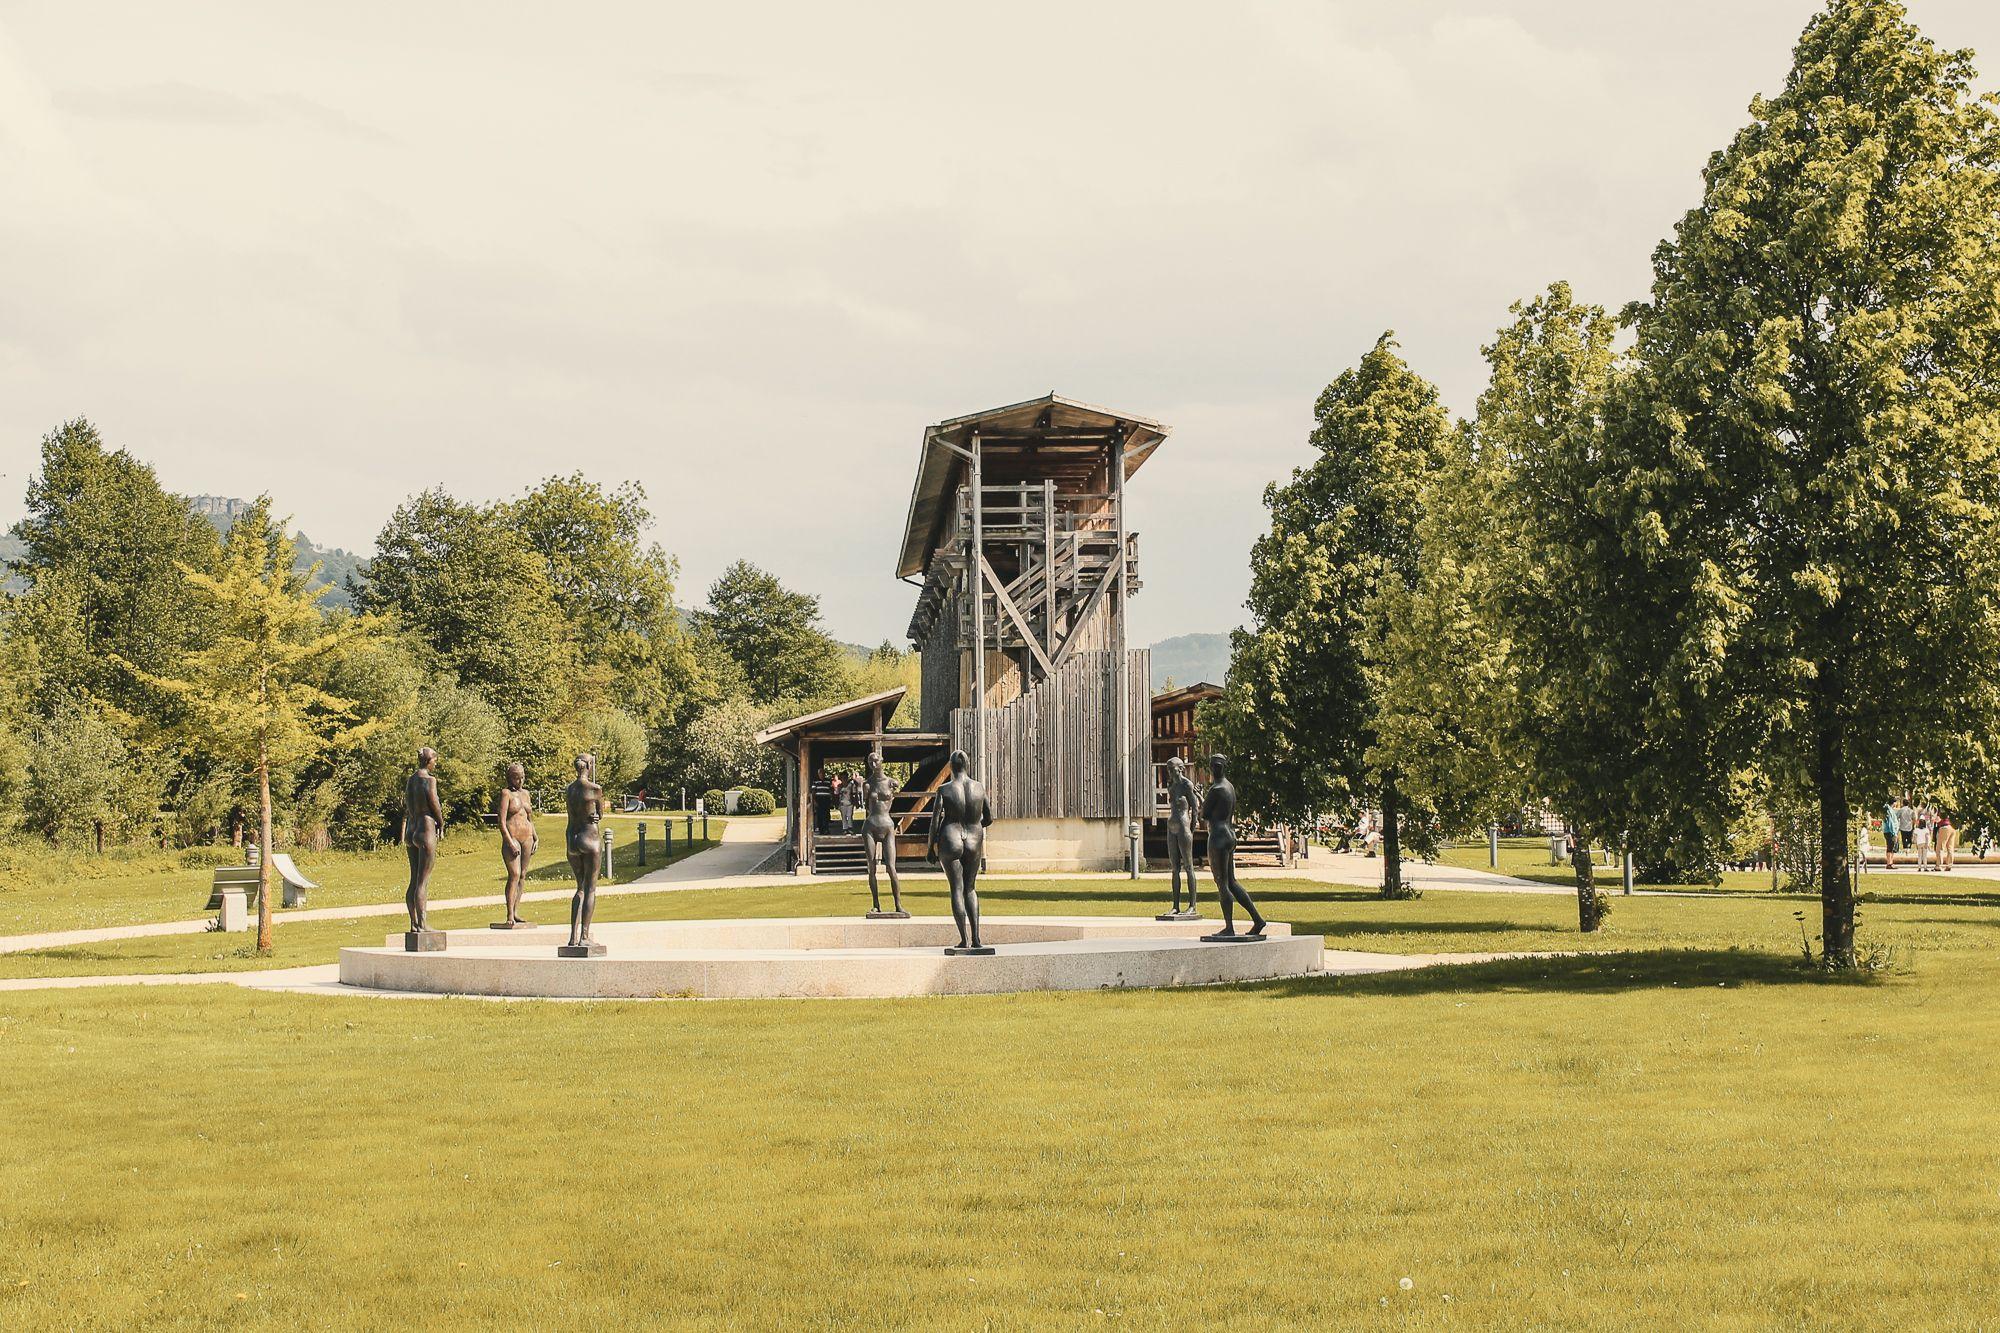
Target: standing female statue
x,y
958,838
515,815
584,801
1219,813
1181,801
880,832
423,821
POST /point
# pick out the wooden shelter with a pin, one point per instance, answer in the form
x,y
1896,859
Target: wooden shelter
x,y
843,735
1018,536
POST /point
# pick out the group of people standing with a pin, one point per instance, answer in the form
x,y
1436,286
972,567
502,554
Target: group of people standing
x,y
1922,831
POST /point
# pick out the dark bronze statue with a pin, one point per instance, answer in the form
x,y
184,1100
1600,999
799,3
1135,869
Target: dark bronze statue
x,y
584,800
881,834
423,821
1218,811
958,835
1182,798
515,814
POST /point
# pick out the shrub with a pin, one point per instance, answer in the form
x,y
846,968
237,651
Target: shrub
x,y
208,857
714,800
756,801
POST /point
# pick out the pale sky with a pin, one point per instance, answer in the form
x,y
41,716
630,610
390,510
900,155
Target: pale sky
x,y
745,252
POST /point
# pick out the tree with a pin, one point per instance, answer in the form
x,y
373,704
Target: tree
x,y
722,749
249,690
105,546
80,781
1812,442
1299,712
465,581
773,636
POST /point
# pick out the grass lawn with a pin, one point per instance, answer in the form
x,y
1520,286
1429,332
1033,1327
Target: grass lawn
x,y
1528,858
1678,1135
43,896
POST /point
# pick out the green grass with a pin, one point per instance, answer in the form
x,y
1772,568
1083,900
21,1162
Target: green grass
x,y
1671,1137
1528,858
1439,922
57,893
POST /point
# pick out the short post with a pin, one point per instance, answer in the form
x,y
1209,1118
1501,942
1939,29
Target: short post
x,y
642,842
1132,837
610,875
1493,845
667,828
704,826
1627,871
235,913
690,828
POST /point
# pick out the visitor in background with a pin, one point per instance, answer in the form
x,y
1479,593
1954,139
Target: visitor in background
x,y
852,796
1891,841
1862,847
1906,820
1947,840
1922,835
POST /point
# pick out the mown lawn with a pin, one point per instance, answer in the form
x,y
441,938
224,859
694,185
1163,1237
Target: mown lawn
x,y
1664,1138
53,892
1528,858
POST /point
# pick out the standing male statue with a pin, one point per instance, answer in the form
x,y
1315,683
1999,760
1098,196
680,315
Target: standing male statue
x,y
515,815
1218,811
1182,798
584,801
880,831
958,833
423,821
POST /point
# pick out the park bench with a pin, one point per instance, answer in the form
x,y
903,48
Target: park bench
x,y
243,880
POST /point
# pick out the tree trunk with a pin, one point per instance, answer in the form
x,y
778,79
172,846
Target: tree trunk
x,y
1392,841
1590,904
1836,890
264,855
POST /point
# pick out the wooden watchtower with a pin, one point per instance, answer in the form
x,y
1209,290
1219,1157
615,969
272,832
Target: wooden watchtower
x,y
1018,538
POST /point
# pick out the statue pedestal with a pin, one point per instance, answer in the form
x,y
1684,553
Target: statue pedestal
x,y
591,950
959,951
1232,939
235,911
1189,915
886,916
423,941
510,925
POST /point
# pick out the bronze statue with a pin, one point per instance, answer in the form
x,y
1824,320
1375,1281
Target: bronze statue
x,y
958,825
584,800
515,815
423,821
1182,798
880,832
1218,811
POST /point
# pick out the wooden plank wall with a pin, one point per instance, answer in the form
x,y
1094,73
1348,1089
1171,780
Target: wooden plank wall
x,y
1053,752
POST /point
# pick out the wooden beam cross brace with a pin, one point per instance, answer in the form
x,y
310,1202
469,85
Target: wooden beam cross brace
x,y
1014,613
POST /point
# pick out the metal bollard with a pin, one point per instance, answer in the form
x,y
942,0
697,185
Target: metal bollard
x,y
1628,872
704,826
610,875
667,828
642,842
1132,836
1493,845
690,828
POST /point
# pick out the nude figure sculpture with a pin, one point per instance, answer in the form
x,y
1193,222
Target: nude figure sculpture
x,y
958,838
423,821
880,831
1181,801
515,815
1219,813
584,801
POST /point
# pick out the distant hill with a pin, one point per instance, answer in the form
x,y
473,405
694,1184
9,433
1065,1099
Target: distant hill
x,y
336,566
1187,658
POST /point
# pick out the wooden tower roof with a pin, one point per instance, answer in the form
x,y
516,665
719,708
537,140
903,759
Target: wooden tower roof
x,y
1047,437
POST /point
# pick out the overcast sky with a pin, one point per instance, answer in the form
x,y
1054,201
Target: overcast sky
x,y
745,252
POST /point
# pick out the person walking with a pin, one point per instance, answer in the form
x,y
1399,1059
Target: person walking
x,y
1946,834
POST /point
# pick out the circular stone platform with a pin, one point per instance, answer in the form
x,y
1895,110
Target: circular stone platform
x,y
832,956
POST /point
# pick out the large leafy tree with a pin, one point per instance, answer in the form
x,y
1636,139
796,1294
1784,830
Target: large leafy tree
x,y
773,636
466,582
105,546
1814,445
1299,711
249,692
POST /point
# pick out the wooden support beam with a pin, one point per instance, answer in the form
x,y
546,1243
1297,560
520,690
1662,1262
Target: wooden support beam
x,y
1104,580
1014,614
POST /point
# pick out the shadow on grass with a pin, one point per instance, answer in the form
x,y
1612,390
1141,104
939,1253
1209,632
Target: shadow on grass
x,y
1933,899
1602,973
